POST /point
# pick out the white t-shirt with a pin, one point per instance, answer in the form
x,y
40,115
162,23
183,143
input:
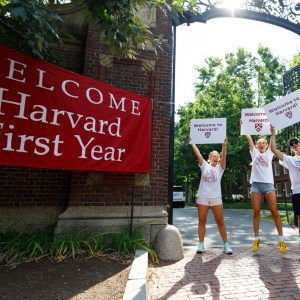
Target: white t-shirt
x,y
292,163
262,166
210,183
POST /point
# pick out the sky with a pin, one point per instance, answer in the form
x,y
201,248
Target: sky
x,y
198,41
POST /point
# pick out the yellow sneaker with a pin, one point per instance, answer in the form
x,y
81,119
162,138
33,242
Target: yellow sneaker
x,y
282,246
255,245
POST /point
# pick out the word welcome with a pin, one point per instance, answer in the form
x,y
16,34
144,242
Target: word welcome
x,y
289,105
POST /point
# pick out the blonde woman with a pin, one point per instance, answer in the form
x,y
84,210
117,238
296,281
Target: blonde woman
x,y
262,184
209,194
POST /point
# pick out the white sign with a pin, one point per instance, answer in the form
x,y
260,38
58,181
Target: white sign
x,y
208,131
285,111
254,122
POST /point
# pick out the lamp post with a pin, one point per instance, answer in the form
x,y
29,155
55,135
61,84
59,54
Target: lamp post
x,y
172,123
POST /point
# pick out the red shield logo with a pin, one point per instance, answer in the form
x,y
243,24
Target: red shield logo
x,y
258,126
207,134
289,114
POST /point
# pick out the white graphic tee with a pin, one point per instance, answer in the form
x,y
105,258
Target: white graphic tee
x,y
262,166
292,163
210,183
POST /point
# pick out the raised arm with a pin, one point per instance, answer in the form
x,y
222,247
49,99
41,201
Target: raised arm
x,y
273,147
197,153
223,158
250,141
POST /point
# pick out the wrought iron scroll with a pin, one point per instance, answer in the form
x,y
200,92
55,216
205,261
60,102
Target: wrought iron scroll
x,y
291,83
283,13
291,80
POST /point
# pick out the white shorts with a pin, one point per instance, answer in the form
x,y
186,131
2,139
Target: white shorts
x,y
209,201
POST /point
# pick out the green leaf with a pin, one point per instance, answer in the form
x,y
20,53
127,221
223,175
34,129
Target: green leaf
x,y
20,12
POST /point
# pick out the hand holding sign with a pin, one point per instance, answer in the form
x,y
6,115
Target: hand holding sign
x,y
208,131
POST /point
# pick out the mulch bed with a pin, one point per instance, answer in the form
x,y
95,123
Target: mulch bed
x,y
74,279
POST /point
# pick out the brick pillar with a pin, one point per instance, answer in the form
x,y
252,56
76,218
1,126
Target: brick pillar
x,y
103,200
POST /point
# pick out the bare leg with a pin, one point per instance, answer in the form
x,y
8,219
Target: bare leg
x,y
202,218
256,203
272,203
219,218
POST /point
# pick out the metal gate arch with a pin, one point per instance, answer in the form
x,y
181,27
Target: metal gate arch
x,y
282,13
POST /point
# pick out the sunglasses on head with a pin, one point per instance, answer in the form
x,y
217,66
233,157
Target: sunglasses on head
x,y
292,143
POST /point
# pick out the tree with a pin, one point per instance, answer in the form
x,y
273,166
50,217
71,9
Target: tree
x,y
123,28
269,72
223,89
30,26
295,61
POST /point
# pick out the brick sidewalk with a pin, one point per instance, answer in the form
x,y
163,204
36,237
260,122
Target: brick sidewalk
x,y
267,274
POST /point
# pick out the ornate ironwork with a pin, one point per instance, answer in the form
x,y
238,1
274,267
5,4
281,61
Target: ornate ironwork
x,y
291,83
283,13
291,80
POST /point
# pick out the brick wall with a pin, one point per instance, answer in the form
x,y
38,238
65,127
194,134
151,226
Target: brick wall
x,y
71,58
24,187
149,76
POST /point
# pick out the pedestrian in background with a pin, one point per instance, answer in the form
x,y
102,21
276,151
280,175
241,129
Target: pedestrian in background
x,y
262,184
292,163
209,194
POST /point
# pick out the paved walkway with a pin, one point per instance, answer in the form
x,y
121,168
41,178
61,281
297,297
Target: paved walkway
x,y
267,274
239,228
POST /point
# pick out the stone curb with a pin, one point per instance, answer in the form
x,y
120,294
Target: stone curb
x,y
136,286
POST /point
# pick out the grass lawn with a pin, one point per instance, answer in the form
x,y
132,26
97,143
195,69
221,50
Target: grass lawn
x,y
248,205
264,206
270,218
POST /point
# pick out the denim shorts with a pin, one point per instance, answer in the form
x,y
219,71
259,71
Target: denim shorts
x,y
262,188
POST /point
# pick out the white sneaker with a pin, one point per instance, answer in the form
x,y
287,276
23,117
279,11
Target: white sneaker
x,y
227,249
200,248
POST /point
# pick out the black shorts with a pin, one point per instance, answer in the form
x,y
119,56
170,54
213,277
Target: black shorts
x,y
296,203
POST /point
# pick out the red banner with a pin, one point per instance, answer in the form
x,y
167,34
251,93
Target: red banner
x,y
53,118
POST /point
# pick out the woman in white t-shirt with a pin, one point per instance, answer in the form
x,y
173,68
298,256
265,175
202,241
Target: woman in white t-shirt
x,y
292,163
209,194
262,184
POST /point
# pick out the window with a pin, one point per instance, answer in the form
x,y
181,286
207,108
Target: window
x,y
278,189
287,187
276,168
285,170
248,175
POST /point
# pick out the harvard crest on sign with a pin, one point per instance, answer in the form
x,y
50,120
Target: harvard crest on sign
x,y
258,126
207,134
289,114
